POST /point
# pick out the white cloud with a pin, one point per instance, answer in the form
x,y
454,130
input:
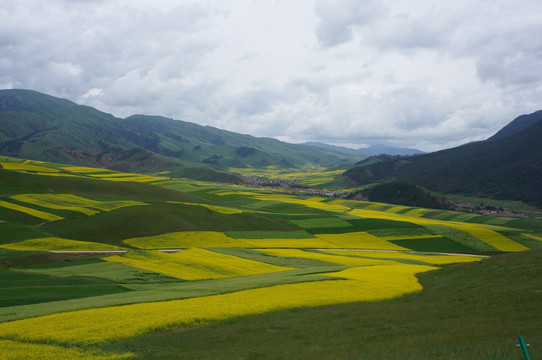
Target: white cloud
x,y
424,73
338,19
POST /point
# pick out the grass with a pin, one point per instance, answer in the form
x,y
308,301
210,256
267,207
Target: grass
x,y
460,305
158,218
462,237
112,323
185,239
263,275
322,223
153,292
365,225
58,244
20,288
12,231
359,240
195,264
23,350
30,211
296,234
433,245
112,271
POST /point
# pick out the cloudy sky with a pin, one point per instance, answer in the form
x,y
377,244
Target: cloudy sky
x,y
428,74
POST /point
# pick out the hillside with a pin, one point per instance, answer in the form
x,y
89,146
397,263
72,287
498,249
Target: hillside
x,y
134,265
508,166
519,124
42,127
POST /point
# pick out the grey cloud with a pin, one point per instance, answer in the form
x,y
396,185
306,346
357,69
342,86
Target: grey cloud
x,y
425,74
338,18
512,62
118,48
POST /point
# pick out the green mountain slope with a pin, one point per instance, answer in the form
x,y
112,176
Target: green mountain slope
x,y
508,167
519,124
42,127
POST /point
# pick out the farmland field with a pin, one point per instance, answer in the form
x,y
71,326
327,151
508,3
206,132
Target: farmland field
x,y
95,263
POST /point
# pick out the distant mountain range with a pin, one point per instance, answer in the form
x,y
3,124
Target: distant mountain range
x,y
508,165
37,126
42,127
369,151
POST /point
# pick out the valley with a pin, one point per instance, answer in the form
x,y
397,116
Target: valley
x,y
96,263
153,238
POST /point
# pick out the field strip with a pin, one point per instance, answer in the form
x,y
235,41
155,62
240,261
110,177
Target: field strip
x,y
146,293
195,264
26,167
186,239
407,252
335,258
56,201
101,325
54,244
493,238
427,258
216,208
24,350
359,239
29,211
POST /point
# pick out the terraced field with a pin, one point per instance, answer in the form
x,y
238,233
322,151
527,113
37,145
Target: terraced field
x,y
82,269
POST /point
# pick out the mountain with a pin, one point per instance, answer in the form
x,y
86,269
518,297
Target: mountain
x,y
369,151
508,166
517,125
390,150
42,127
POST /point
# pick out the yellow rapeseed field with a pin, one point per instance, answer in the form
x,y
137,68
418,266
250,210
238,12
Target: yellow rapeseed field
x,y
481,232
492,238
359,240
84,169
195,264
407,237
125,177
55,201
317,203
99,325
186,239
308,176
32,212
15,350
396,209
430,259
58,244
417,212
26,167
343,260
74,202
216,208
539,238
307,243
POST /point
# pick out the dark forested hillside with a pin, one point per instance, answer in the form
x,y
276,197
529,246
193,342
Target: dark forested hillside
x,y
403,194
506,167
519,124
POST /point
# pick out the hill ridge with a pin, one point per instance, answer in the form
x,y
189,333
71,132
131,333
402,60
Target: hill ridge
x,y
43,127
508,168
521,123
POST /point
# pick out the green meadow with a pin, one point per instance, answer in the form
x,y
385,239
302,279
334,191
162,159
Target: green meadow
x,y
298,277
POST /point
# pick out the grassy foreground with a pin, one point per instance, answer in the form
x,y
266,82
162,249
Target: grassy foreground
x,y
247,273
489,302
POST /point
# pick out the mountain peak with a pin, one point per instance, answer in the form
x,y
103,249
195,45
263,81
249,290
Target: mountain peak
x,y
518,124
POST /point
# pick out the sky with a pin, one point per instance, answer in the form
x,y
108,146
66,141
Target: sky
x,y
424,74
